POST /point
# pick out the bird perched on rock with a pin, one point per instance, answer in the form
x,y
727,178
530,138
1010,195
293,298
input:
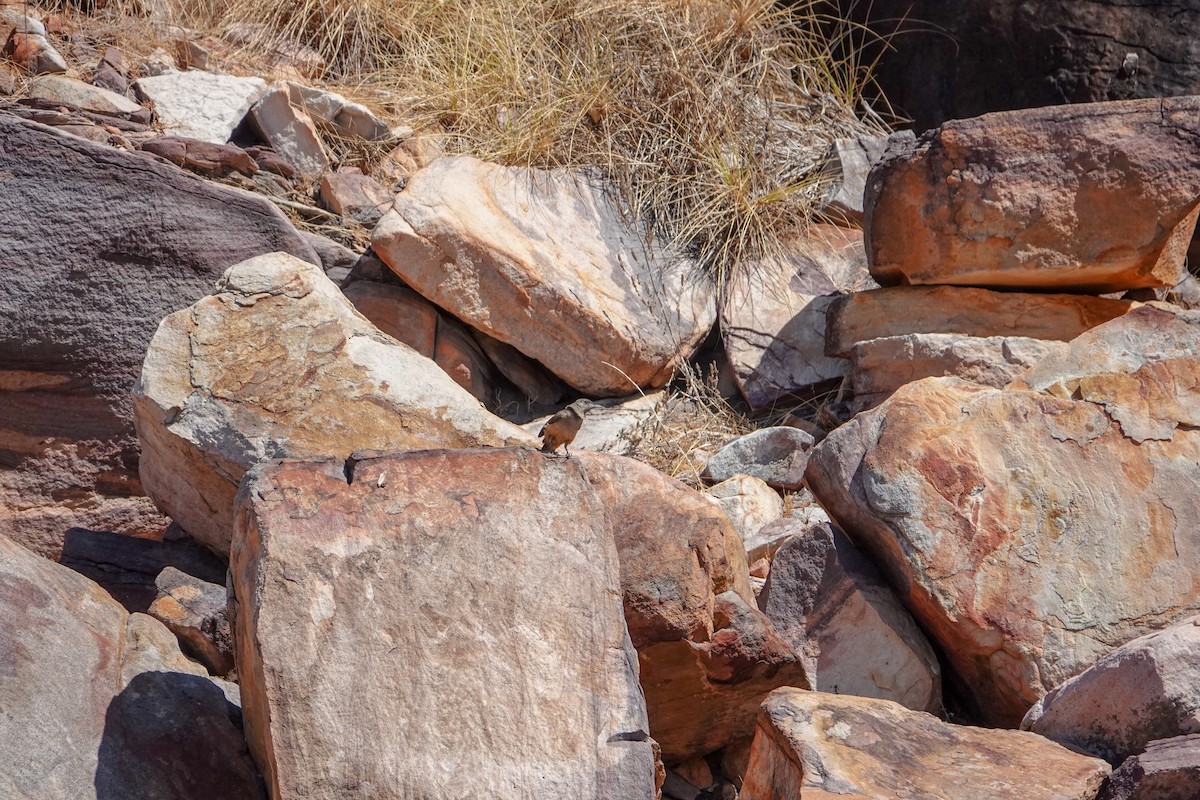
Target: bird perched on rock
x,y
562,427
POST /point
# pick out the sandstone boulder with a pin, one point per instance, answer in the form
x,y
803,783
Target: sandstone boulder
x,y
815,745
748,502
1031,532
906,311
195,611
100,704
1095,197
545,262
773,319
72,92
477,643
279,364
708,655
1144,690
351,194
834,609
290,132
1168,770
200,105
767,540
879,367
98,246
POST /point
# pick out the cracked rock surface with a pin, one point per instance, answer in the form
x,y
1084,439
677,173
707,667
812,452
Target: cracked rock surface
x,y
1032,529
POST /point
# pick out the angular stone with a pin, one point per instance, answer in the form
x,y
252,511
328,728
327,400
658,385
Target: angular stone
x,y
815,745
1168,770
333,255
1144,690
1094,197
205,158
1031,532
879,367
72,92
290,132
748,502
774,318
351,194
497,247
100,704
518,681
195,611
850,161
33,52
98,246
331,110
834,608
279,364
200,105
708,655
903,311
776,455
767,540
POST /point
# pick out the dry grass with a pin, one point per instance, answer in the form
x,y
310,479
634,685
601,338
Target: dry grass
x,y
710,118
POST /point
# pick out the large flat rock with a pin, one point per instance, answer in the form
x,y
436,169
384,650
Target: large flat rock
x,y
98,245
905,311
198,104
100,704
545,262
405,629
1031,532
812,746
278,364
1095,197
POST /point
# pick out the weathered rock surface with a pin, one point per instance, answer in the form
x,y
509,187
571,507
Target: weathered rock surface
x,y
748,502
708,655
101,704
98,246
834,609
773,320
1168,770
62,89
279,364
335,112
544,262
205,158
1097,197
850,161
1144,690
815,745
290,132
351,194
200,105
765,542
1031,533
879,367
906,311
26,44
407,317
776,455
482,659
195,611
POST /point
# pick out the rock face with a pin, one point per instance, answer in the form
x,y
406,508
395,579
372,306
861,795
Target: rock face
x,y
773,320
1031,533
708,655
426,628
835,610
290,132
62,89
1144,690
954,61
908,311
101,704
748,502
99,245
195,611
278,364
810,744
544,262
879,367
1168,770
200,105
1100,197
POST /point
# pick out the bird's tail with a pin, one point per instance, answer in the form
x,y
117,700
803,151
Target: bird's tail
x,y
548,446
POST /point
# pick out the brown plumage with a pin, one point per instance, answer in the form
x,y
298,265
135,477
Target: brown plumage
x,y
562,427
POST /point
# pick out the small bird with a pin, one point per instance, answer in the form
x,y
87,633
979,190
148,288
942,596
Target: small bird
x,y
562,427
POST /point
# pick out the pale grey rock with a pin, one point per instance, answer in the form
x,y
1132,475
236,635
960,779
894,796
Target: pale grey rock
x,y
850,161
335,112
776,455
748,502
290,132
200,105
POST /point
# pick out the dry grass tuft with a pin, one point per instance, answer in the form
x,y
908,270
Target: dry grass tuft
x,y
711,118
